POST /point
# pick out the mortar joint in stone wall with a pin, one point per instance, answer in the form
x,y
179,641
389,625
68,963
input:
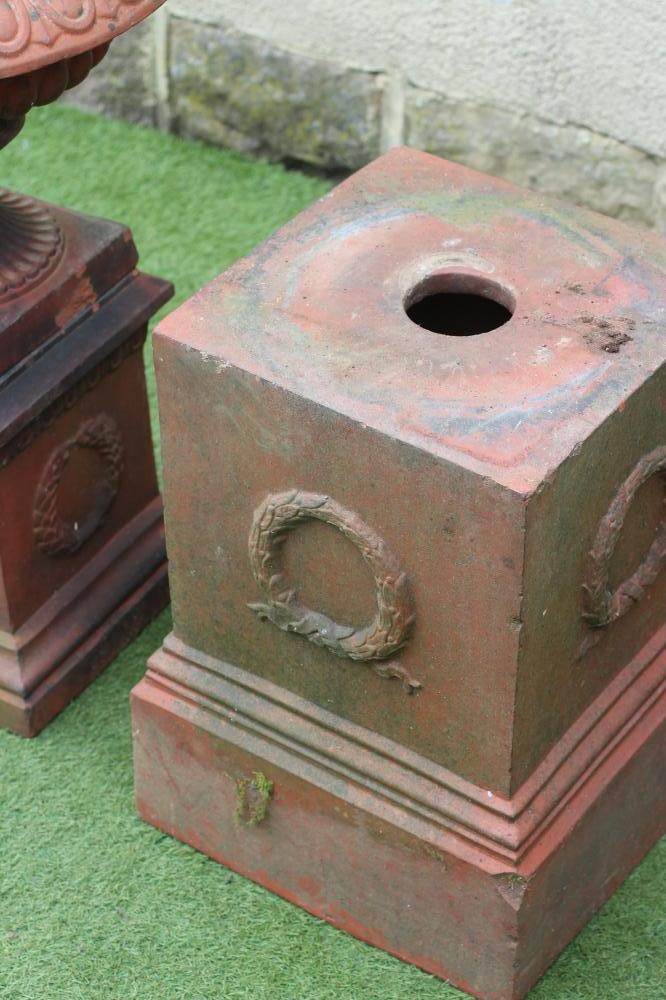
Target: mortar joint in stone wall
x,y
162,76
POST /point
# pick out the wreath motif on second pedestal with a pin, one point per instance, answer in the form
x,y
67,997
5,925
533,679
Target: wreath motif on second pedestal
x,y
384,635
55,535
603,606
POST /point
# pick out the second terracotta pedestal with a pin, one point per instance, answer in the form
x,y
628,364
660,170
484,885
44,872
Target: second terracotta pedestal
x,y
82,561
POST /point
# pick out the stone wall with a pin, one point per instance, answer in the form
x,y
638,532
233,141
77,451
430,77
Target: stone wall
x,y
546,93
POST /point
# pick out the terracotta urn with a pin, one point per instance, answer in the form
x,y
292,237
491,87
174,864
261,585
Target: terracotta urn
x,y
47,47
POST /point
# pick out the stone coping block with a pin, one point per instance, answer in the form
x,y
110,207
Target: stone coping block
x,y
239,91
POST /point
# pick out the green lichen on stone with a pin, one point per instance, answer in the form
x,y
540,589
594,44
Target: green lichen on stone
x,y
564,160
239,91
252,798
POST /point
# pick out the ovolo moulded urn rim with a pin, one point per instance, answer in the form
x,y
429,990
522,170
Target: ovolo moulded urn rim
x,y
36,33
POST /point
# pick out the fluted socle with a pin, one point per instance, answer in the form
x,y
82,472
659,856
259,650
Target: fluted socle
x,y
31,246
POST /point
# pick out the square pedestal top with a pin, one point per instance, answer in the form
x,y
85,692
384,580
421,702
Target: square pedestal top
x,y
56,266
320,309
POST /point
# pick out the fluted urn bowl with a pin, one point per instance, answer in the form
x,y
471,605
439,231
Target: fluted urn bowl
x,y
46,46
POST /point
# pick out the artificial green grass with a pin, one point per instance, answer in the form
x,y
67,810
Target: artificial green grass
x,y
94,904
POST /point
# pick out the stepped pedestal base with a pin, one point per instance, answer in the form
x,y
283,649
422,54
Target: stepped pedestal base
x,y
477,889
88,635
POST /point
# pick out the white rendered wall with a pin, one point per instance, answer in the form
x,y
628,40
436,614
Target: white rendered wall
x,y
596,63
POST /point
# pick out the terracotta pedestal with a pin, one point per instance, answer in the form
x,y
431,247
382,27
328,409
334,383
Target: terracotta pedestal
x,y
415,448
82,562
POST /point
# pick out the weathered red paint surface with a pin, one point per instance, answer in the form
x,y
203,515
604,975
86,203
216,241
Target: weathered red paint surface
x,y
82,562
395,565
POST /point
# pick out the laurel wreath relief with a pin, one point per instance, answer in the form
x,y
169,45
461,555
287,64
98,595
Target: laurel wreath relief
x,y
53,535
388,631
601,605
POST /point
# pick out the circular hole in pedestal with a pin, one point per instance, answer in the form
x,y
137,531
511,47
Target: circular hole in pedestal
x,y
459,305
